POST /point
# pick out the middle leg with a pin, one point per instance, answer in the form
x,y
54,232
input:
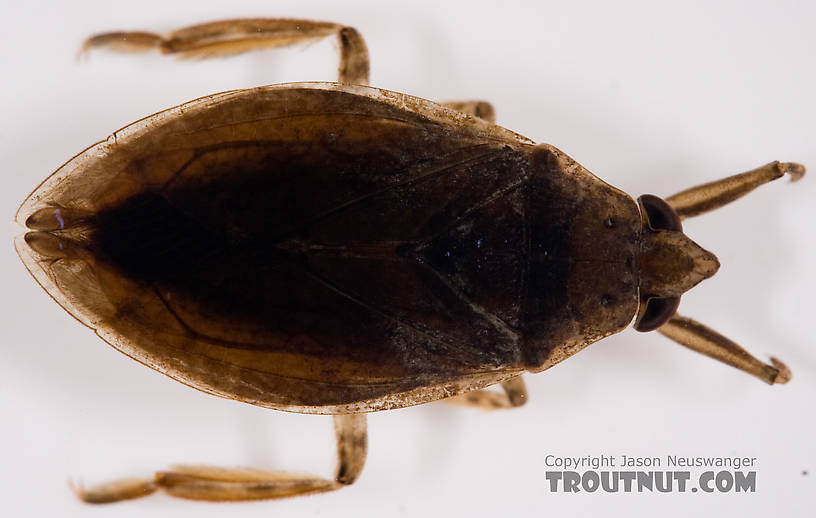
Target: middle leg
x,y
482,109
514,394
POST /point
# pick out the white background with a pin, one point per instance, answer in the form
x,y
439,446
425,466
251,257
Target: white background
x,y
653,97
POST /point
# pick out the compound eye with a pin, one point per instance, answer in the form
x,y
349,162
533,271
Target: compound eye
x,y
659,213
658,311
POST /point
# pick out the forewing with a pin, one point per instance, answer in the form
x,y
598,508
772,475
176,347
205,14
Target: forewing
x,y
305,247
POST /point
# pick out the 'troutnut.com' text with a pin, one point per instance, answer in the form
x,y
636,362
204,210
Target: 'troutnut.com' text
x,y
712,475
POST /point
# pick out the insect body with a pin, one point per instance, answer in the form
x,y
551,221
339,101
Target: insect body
x,y
333,248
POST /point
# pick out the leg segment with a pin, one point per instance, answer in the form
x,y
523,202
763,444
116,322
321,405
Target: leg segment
x,y
482,109
236,36
514,395
702,339
221,484
352,446
713,195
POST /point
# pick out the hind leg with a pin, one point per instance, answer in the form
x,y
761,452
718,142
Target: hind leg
x,y
229,37
229,484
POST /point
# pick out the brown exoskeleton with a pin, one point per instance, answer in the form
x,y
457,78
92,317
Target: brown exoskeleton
x,y
332,248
